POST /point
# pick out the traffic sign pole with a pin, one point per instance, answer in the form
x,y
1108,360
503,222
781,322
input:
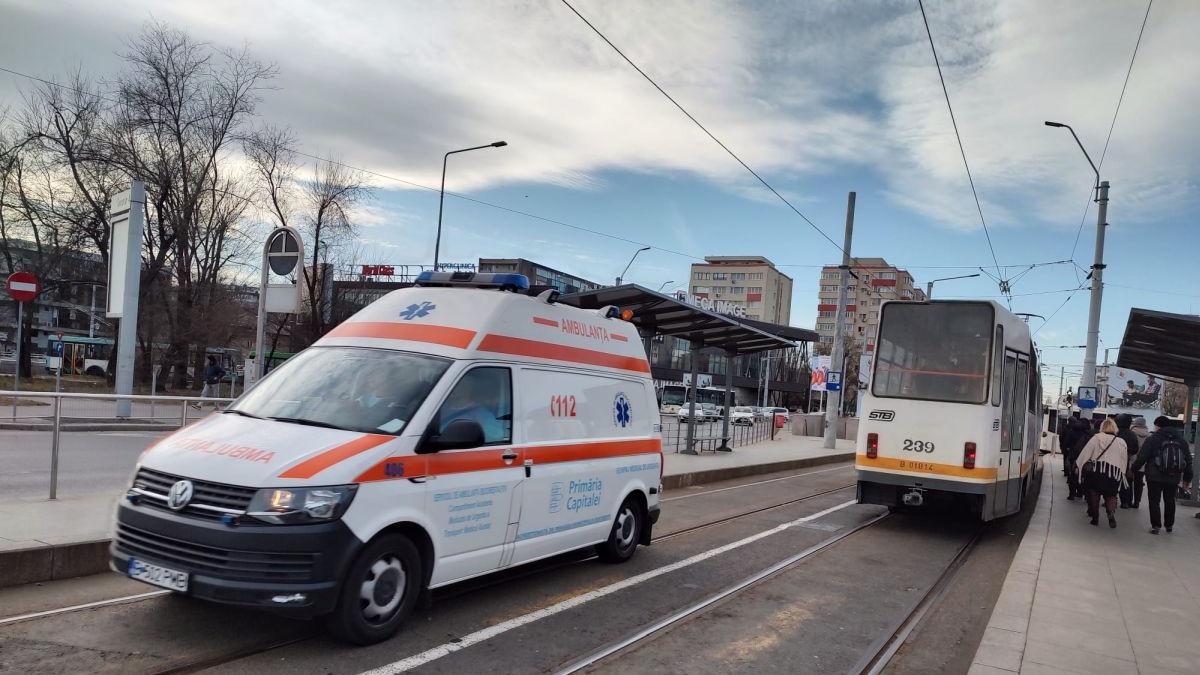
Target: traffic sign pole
x,y
17,370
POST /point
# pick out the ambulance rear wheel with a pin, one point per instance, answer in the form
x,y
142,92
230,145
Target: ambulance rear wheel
x,y
379,591
625,534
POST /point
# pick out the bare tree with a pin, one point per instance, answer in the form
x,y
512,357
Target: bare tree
x,y
184,106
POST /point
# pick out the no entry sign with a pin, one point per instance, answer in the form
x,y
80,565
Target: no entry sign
x,y
22,286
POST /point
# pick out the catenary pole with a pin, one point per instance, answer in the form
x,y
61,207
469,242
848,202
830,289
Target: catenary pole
x,y
834,404
1093,334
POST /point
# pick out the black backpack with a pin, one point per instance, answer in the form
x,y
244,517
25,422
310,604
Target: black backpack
x,y
1172,456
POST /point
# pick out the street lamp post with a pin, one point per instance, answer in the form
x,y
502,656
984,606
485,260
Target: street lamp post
x,y
437,244
635,255
1093,334
929,285
664,285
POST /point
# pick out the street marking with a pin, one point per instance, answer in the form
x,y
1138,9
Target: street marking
x,y
431,655
761,482
73,608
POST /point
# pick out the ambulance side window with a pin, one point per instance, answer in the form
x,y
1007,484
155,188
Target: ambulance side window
x,y
483,395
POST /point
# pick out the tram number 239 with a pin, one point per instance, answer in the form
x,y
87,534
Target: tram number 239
x,y
918,446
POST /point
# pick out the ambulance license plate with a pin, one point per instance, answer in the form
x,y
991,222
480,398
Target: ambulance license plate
x,y
157,575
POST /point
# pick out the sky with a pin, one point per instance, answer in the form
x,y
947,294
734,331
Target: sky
x,y
821,98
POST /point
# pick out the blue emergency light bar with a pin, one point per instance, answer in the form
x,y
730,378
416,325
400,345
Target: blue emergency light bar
x,y
504,282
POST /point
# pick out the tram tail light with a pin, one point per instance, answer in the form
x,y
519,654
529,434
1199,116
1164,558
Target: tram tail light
x,y
968,455
872,445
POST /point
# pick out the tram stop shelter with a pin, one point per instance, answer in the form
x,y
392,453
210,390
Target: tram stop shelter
x,y
1167,345
656,313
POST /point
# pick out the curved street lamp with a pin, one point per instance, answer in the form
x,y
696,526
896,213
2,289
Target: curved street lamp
x,y
635,255
437,244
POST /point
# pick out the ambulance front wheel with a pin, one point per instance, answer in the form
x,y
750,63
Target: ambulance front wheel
x,y
625,534
379,591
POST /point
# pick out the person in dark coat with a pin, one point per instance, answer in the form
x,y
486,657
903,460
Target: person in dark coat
x,y
1168,461
1083,434
1125,433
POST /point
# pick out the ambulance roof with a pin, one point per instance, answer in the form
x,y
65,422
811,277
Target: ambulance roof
x,y
473,323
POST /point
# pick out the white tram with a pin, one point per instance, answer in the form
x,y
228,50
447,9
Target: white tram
x,y
953,410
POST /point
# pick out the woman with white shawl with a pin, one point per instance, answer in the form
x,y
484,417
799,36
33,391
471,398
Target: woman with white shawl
x,y
1101,466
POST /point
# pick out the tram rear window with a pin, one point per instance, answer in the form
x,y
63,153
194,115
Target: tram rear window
x,y
934,352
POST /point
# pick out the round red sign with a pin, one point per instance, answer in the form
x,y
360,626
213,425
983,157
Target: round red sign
x,y
22,286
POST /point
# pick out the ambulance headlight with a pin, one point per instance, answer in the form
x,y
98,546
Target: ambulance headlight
x,y
293,506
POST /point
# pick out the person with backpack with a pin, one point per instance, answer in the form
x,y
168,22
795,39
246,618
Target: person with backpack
x,y
1102,463
1125,433
1168,461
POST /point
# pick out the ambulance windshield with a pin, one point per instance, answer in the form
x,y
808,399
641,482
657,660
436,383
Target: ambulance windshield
x,y
352,388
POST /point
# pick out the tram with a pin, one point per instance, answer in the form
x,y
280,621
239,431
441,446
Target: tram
x,y
953,412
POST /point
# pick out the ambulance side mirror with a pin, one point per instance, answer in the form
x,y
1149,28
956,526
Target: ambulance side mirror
x,y
458,434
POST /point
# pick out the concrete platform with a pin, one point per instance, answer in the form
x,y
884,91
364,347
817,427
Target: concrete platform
x,y
1085,599
42,540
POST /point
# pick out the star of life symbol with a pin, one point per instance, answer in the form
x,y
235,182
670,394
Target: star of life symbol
x,y
416,311
622,410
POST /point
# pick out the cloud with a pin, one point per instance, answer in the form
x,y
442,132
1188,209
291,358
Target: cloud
x,y
799,91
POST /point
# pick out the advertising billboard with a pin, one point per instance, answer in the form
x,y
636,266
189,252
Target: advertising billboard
x,y
1128,391
819,365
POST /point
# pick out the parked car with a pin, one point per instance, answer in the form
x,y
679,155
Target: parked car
x,y
776,412
702,414
714,411
743,415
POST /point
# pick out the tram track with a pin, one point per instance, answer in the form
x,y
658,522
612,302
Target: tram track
x,y
493,580
459,590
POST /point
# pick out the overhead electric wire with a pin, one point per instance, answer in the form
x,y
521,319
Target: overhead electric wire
x,y
1112,125
963,152
703,128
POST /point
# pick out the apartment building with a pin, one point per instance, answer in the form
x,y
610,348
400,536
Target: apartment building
x,y
877,282
751,282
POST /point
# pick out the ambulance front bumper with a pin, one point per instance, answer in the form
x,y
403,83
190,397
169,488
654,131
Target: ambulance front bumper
x,y
291,569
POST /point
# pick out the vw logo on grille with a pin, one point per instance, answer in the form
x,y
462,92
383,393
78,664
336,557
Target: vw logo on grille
x,y
180,495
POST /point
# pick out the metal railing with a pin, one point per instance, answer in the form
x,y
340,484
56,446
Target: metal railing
x,y
56,418
708,435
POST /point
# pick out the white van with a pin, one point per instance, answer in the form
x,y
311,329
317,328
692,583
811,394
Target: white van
x,y
444,432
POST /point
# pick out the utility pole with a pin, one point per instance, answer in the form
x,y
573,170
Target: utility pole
x,y
834,405
1062,376
1093,334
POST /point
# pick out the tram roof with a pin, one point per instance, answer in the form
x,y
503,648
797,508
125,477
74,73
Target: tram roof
x,y
662,314
1162,343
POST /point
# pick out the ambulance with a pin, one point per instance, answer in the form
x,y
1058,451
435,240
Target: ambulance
x,y
446,431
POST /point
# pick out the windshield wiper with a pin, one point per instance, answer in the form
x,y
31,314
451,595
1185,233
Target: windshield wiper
x,y
311,423
243,413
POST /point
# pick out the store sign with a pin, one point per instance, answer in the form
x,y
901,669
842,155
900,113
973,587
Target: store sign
x,y
378,270
726,307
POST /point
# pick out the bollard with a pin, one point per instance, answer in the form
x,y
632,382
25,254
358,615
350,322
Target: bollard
x,y
54,447
183,413
153,388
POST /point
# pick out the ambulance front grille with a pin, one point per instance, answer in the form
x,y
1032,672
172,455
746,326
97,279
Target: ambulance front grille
x,y
211,560
219,498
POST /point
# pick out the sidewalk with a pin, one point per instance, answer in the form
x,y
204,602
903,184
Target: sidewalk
x,y
41,540
1084,599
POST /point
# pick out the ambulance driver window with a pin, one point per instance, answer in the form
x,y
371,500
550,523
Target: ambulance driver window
x,y
353,388
483,395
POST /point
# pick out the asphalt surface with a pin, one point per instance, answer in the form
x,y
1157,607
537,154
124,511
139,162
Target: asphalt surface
x,y
819,615
89,462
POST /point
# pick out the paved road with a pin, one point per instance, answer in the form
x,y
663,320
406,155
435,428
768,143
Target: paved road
x,y
817,616
89,462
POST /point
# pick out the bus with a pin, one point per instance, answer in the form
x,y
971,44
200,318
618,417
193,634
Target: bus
x,y
79,355
673,396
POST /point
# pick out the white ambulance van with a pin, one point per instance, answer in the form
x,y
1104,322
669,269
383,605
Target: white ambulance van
x,y
444,432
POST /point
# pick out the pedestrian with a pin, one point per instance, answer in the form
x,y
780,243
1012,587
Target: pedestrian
x,y
213,373
1081,434
1102,470
1125,433
1137,478
1066,437
1168,462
